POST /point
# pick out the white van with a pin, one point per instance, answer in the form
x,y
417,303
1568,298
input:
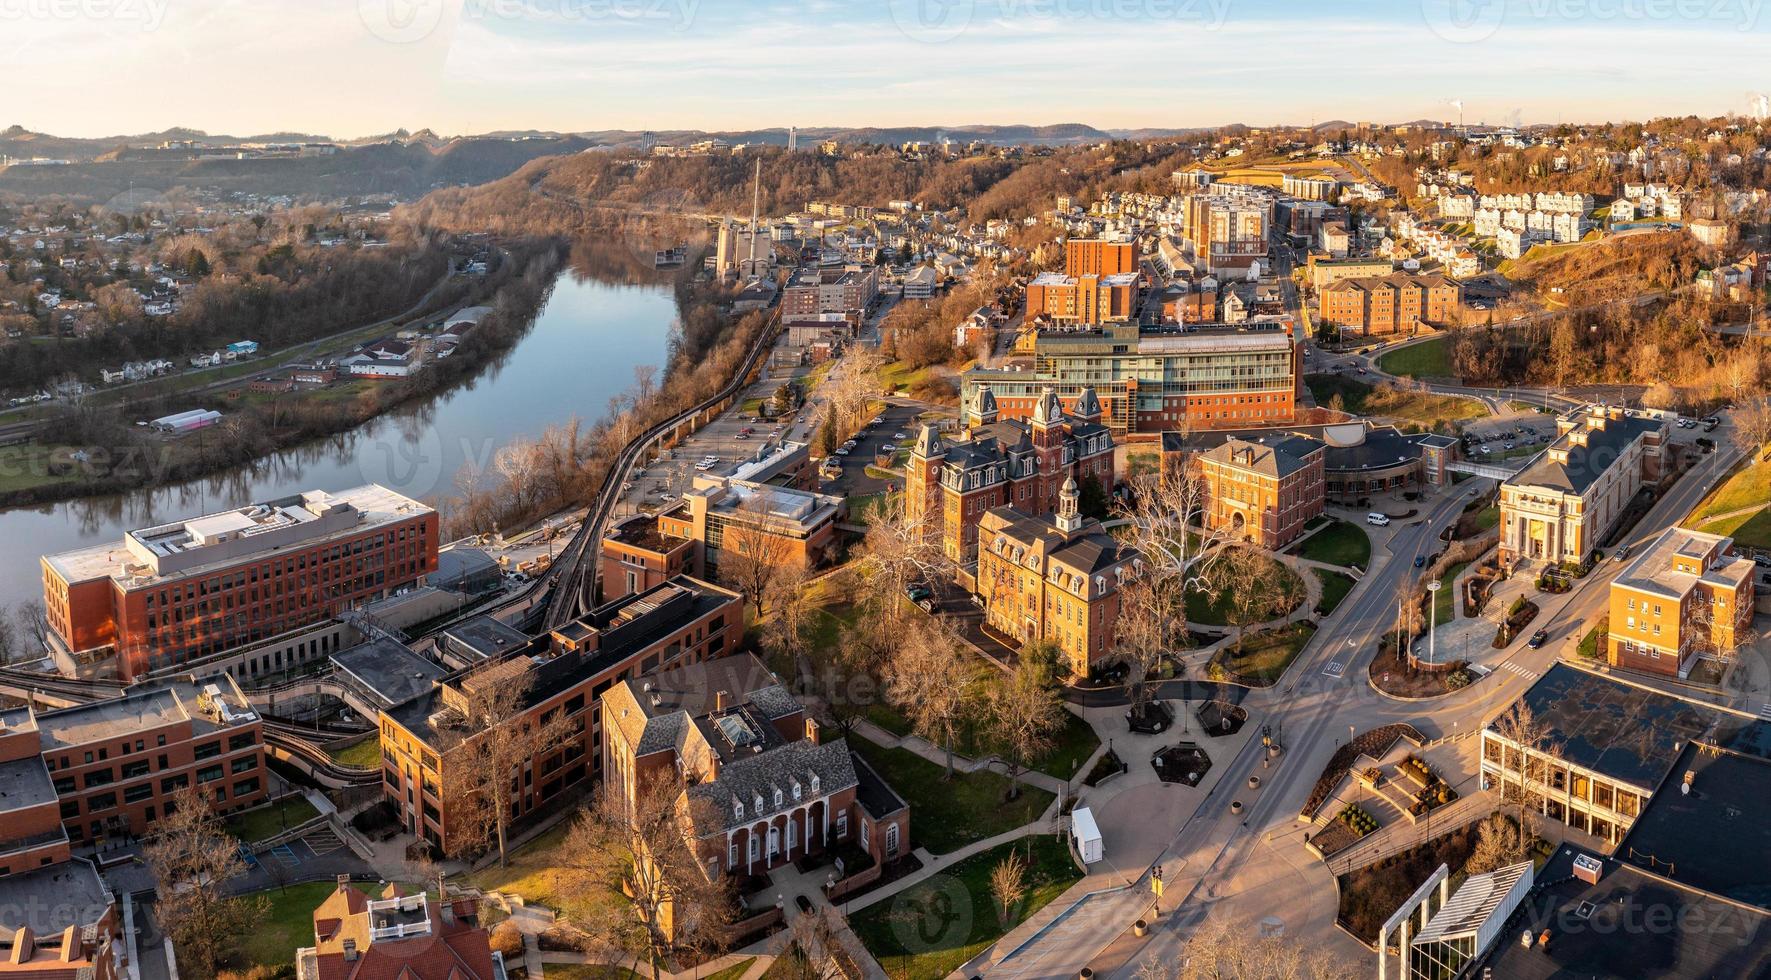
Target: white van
x,y
1377,520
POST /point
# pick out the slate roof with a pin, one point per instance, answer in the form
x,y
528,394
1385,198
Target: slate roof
x,y
1618,730
745,780
1277,456
1585,463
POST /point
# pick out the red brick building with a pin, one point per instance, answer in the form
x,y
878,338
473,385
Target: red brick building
x,y
398,936
637,555
1398,303
1264,491
773,789
173,593
1099,257
1006,463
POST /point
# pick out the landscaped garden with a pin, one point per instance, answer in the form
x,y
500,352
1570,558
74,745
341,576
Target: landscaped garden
x,y
1369,896
1335,586
952,812
1427,359
1418,409
1263,656
915,935
1340,543
1217,608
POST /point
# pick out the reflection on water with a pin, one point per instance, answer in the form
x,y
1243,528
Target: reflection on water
x,y
591,333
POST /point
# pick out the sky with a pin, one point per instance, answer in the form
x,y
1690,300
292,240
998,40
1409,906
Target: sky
x,y
347,68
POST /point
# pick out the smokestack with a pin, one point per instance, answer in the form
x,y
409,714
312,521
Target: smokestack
x,y
719,700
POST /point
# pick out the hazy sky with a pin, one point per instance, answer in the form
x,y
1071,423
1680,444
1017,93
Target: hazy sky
x,y
356,67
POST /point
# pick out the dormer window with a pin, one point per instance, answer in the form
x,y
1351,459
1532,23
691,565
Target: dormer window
x,y
796,791
815,788
759,803
738,809
777,796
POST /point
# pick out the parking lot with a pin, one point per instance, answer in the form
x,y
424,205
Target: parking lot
x,y
896,426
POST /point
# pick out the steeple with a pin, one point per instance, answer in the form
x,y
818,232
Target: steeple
x,y
928,443
1088,406
1069,504
1048,411
985,411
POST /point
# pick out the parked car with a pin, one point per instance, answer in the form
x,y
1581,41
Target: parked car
x,y
917,593
1376,519
1621,553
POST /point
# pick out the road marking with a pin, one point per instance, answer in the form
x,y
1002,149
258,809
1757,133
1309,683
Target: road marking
x,y
1334,669
1765,711
1520,669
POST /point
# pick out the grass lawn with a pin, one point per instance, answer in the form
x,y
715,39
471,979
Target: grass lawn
x,y
1427,359
952,813
1752,529
1335,586
1214,610
600,971
1442,603
732,972
26,466
915,935
289,925
1421,408
1592,645
1746,488
1264,655
1340,544
860,507
269,821
364,755
532,869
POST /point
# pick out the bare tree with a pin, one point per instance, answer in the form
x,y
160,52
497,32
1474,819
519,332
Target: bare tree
x,y
1025,712
1258,588
1164,511
753,550
1221,950
635,878
192,859
1527,756
1008,886
1753,419
932,681
793,610
901,548
495,733
813,945
1151,628
1500,841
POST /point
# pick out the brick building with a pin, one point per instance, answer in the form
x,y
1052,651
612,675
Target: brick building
x,y
58,922
115,764
427,731
846,290
768,788
1099,257
1086,300
174,593
773,524
637,555
398,936
1264,490
1381,306
1006,463
1155,379
1684,598
1054,579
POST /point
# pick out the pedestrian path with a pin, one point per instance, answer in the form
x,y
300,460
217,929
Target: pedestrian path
x,y
937,755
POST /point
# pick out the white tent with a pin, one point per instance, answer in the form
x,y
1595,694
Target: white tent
x,y
1086,834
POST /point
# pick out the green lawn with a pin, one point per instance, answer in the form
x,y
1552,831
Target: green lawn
x,y
1592,645
1752,529
916,936
601,971
1340,543
289,926
1427,359
1423,409
860,507
364,755
732,972
269,821
1264,655
1071,747
1746,488
531,870
1335,586
951,813
1213,609
26,467
1443,606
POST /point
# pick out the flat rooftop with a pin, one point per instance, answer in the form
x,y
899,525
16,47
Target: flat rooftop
x,y
389,670
24,783
1614,729
51,898
1656,570
142,707
1714,838
151,556
1626,927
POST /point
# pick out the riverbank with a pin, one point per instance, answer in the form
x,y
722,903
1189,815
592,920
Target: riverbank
x,y
97,452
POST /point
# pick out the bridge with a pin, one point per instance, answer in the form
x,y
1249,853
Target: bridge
x,y
1490,470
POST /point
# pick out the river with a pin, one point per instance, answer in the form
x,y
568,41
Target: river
x,y
586,341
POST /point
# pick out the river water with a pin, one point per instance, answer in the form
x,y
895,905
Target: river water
x,y
587,339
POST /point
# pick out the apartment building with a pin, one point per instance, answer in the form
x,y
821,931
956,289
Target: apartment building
x,y
429,733
1151,379
410,936
765,788
1397,303
174,593
1324,272
813,290
116,764
1053,578
1560,508
1264,490
754,521
637,555
1099,257
1002,462
58,921
1685,598
1086,300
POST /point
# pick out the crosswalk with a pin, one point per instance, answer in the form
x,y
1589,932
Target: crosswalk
x,y
324,841
1765,711
1521,670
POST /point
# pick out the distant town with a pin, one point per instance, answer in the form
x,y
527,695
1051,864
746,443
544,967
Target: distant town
x,y
1326,550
